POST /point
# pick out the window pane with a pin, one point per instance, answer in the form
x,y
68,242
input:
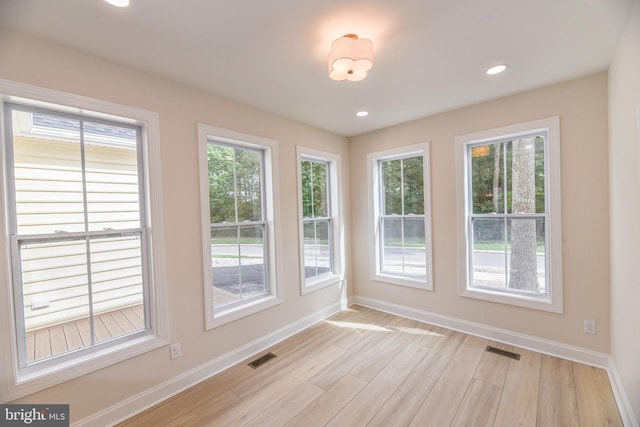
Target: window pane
x,y
116,285
487,178
317,259
111,162
391,174
392,248
55,297
415,253
489,253
221,188
252,271
527,255
320,189
248,184
413,180
48,173
238,260
315,189
225,261
307,189
526,181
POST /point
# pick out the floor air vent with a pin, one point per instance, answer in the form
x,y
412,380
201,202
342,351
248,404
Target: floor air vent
x,y
264,359
504,353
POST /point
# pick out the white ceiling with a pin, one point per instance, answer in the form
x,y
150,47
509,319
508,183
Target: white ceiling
x,y
430,55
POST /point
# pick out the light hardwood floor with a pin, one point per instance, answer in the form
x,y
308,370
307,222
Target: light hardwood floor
x,y
366,368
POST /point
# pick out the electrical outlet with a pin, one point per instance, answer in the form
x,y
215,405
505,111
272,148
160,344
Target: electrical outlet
x,y
589,326
175,350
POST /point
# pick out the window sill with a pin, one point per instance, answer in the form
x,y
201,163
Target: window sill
x,y
317,283
402,281
543,303
33,378
222,316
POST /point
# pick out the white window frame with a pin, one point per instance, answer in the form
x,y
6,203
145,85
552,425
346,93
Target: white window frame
x,y
222,316
421,149
18,381
553,216
336,276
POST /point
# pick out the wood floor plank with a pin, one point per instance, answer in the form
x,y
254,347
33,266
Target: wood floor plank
x,y
282,365
58,341
402,406
365,346
122,321
323,409
493,368
519,403
42,344
110,324
479,406
100,330
194,409
441,405
84,329
31,346
556,369
272,392
557,405
443,350
596,404
362,408
288,407
132,317
72,336
381,355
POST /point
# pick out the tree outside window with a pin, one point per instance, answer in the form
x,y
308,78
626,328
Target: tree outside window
x,y
510,215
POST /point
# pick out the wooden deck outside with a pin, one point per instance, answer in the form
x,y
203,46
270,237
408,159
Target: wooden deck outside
x,y
58,339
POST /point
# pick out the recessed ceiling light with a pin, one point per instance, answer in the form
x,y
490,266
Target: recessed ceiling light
x,y
362,113
496,69
119,3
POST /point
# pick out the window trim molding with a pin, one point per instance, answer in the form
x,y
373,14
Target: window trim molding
x,y
374,205
16,384
552,303
272,218
335,192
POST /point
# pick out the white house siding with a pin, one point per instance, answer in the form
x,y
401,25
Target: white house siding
x,y
48,183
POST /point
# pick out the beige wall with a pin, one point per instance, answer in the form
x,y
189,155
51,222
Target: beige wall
x,y
40,63
582,107
624,122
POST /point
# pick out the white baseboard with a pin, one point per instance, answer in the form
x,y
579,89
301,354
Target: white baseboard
x,y
540,345
142,401
629,419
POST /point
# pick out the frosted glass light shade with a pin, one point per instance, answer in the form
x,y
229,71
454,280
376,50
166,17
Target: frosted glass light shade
x,y
350,58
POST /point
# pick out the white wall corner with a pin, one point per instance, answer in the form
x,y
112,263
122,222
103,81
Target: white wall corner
x,y
629,419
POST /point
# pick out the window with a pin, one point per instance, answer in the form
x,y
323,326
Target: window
x,y
511,215
78,215
238,223
321,244
402,216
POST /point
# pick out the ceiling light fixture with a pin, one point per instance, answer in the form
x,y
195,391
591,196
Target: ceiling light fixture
x,y
496,69
118,3
362,113
350,58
